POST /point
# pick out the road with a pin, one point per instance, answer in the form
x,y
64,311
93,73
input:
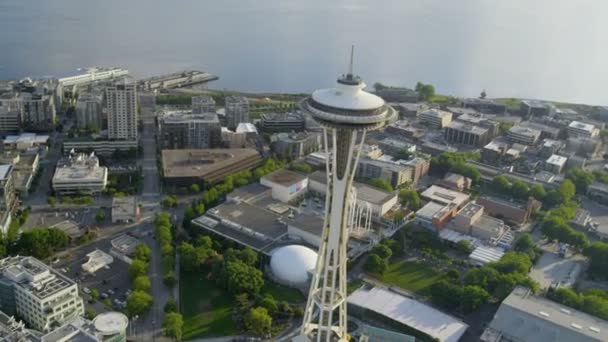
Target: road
x,y
149,327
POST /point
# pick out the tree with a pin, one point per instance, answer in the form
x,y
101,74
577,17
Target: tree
x,y
485,277
195,188
52,201
173,325
95,294
464,246
302,167
581,179
142,283
525,244
100,216
513,262
258,321
520,189
501,184
376,264
567,297
241,277
381,183
598,256
138,268
169,279
142,252
383,251
567,190
538,192
410,199
472,297
170,305
446,294
41,243
425,91
138,302
270,304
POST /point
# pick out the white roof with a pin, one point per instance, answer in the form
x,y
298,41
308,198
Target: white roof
x,y
348,97
429,210
246,127
109,323
410,312
484,255
445,196
582,126
97,259
4,170
292,264
557,160
454,236
26,137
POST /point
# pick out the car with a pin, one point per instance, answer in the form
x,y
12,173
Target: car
x,y
110,292
106,267
86,290
104,295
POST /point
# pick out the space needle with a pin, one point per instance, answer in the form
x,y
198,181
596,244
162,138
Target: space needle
x,y
346,113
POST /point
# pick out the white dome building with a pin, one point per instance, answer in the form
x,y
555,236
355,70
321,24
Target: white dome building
x,y
293,264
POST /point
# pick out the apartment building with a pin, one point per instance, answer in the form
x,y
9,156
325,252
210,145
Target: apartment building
x,y
89,111
41,296
578,129
184,130
121,102
203,104
237,111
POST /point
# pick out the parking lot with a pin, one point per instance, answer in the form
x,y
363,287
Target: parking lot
x,y
550,268
599,214
112,282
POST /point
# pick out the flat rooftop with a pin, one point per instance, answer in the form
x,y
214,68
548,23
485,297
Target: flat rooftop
x,y
285,177
436,113
429,210
33,275
528,309
410,312
467,127
365,192
309,223
199,162
526,131
582,126
444,196
246,217
557,160
470,209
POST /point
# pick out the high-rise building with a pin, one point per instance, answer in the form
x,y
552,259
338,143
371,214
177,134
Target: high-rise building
x,y
346,112
282,122
88,111
38,111
38,294
203,104
121,101
295,145
237,111
183,130
10,119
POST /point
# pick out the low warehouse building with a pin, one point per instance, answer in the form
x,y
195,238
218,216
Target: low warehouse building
x,y
286,185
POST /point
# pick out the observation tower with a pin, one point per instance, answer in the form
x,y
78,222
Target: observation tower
x,y
346,112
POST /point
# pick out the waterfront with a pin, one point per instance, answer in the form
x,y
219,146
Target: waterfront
x,y
512,48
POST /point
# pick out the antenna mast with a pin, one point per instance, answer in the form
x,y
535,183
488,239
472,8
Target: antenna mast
x,y
350,66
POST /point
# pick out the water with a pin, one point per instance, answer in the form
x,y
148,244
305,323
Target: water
x,y
550,49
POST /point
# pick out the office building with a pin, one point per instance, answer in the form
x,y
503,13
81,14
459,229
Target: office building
x,y
185,167
203,104
523,135
282,122
435,118
237,111
459,132
295,145
445,196
531,108
598,191
546,131
396,173
471,220
514,212
395,147
397,94
89,111
121,102
286,185
38,112
7,188
402,128
526,317
434,216
456,182
550,147
578,129
555,164
125,209
484,105
10,120
184,130
80,173
479,119
101,146
43,297
494,151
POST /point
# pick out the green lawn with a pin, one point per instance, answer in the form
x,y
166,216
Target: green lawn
x,y
413,276
280,292
207,309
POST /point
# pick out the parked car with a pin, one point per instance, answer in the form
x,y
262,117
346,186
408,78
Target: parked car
x,y
104,295
86,290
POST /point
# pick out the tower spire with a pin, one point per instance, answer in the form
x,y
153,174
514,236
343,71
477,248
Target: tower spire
x,y
350,65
